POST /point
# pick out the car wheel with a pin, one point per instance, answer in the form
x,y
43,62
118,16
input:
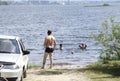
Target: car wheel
x,y
24,74
21,78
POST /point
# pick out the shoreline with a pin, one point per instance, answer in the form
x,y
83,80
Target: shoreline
x,y
57,67
61,64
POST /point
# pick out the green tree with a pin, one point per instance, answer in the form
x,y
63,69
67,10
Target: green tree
x,y
109,38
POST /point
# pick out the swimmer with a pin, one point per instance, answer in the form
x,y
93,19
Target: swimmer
x,y
83,46
72,52
61,47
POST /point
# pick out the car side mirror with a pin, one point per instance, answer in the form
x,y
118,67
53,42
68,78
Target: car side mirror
x,y
26,52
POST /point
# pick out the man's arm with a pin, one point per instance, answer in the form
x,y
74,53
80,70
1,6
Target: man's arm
x,y
54,43
45,43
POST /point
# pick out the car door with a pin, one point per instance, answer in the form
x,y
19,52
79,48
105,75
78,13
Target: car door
x,y
24,56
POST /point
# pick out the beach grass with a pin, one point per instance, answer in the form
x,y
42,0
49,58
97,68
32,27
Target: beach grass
x,y
103,72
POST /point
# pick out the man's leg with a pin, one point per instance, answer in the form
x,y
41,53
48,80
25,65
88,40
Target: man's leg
x,y
44,59
51,60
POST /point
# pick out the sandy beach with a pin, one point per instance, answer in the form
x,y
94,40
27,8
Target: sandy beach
x,y
57,73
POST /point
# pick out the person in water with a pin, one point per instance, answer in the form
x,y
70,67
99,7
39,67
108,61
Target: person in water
x,y
61,47
49,45
83,46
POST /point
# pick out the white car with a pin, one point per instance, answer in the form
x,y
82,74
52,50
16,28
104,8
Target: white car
x,y
13,59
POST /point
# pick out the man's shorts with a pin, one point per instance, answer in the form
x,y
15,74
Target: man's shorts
x,y
49,50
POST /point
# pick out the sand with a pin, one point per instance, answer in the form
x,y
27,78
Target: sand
x,y
57,73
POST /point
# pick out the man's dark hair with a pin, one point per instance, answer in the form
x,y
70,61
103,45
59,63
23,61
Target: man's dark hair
x,y
49,32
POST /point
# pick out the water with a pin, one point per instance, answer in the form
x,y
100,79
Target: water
x,y
71,26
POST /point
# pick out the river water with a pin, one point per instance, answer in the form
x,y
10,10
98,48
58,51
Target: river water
x,y
71,25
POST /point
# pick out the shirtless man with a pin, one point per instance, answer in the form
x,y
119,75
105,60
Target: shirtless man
x,y
49,45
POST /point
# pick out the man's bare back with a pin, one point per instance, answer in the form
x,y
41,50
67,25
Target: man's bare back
x,y
50,42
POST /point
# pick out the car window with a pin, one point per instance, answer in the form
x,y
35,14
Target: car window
x,y
9,46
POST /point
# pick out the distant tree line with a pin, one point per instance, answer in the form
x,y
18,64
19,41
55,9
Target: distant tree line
x,y
3,2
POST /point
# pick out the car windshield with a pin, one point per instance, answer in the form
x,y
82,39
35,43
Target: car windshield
x,y
9,46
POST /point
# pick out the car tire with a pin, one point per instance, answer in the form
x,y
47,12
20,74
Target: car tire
x,y
21,78
24,74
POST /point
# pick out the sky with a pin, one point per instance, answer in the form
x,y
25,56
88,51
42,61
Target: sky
x,y
64,0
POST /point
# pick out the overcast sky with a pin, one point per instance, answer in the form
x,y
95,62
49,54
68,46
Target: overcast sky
x,y
63,0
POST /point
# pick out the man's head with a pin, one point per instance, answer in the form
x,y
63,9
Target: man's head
x,y
49,32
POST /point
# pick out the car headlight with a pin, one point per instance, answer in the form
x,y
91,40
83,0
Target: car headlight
x,y
15,66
